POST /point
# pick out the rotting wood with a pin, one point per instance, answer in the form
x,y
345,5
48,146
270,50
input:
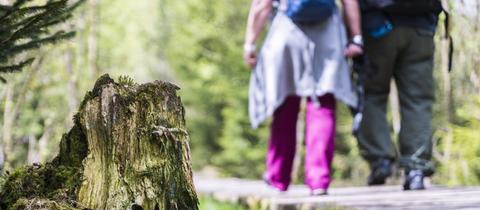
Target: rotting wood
x,y
128,146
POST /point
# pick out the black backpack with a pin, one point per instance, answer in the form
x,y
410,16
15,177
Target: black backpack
x,y
412,7
406,7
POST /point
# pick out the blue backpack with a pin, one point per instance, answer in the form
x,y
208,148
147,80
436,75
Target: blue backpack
x,y
310,11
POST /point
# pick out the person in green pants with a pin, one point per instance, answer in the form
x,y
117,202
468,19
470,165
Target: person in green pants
x,y
399,46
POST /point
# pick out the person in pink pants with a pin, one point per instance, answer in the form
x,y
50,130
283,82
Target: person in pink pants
x,y
320,143
301,59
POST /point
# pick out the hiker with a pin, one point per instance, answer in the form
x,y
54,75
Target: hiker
x,y
399,44
304,55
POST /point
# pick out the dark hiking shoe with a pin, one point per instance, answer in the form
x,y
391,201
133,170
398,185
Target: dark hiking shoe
x,y
414,180
381,169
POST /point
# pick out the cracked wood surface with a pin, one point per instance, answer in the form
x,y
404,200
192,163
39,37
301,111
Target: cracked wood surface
x,y
256,194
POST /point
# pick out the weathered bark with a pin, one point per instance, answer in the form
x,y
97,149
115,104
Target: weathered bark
x,y
128,146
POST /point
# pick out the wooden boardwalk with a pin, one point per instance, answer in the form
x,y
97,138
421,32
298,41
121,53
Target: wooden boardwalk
x,y
257,195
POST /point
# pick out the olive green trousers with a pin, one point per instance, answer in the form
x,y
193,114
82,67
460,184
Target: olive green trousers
x,y
406,55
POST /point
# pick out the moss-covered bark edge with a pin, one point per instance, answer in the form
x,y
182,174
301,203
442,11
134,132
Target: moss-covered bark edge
x,y
55,185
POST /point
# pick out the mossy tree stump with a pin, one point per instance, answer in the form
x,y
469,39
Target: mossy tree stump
x,y
128,149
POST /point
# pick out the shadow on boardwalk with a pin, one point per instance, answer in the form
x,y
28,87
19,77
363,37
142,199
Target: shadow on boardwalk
x,y
256,195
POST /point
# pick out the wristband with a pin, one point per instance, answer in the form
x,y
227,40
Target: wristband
x,y
248,48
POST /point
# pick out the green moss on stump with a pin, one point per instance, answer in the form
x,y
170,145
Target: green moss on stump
x,y
128,146
57,183
37,203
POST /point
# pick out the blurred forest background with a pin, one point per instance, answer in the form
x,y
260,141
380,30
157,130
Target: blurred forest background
x,y
197,44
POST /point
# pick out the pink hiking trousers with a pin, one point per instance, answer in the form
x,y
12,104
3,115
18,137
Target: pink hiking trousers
x,y
320,143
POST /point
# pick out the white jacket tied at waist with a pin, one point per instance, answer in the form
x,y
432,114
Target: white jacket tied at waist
x,y
303,60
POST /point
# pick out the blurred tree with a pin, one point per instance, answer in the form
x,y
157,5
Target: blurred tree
x,y
26,26
203,46
198,44
457,112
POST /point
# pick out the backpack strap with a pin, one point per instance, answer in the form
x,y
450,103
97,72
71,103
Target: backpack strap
x,y
448,36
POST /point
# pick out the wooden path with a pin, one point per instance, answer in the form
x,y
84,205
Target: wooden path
x,y
257,195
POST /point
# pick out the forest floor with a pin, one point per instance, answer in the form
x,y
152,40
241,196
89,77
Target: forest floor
x,y
255,194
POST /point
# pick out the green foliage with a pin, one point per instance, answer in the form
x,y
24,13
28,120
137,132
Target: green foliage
x,y
348,167
204,47
457,138
460,158
26,26
126,45
2,181
243,149
129,34
198,44
126,81
215,90
207,203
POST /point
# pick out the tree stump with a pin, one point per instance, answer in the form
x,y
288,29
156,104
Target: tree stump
x,y
128,149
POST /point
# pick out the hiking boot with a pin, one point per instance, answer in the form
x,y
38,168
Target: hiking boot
x,y
414,180
381,169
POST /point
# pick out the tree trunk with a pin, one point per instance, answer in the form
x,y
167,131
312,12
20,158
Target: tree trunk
x,y
128,149
33,156
43,151
37,148
8,118
2,155
72,97
11,111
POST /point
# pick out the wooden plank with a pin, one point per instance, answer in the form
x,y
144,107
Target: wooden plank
x,y
256,193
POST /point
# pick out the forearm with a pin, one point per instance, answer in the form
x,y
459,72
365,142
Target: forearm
x,y
352,17
258,16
